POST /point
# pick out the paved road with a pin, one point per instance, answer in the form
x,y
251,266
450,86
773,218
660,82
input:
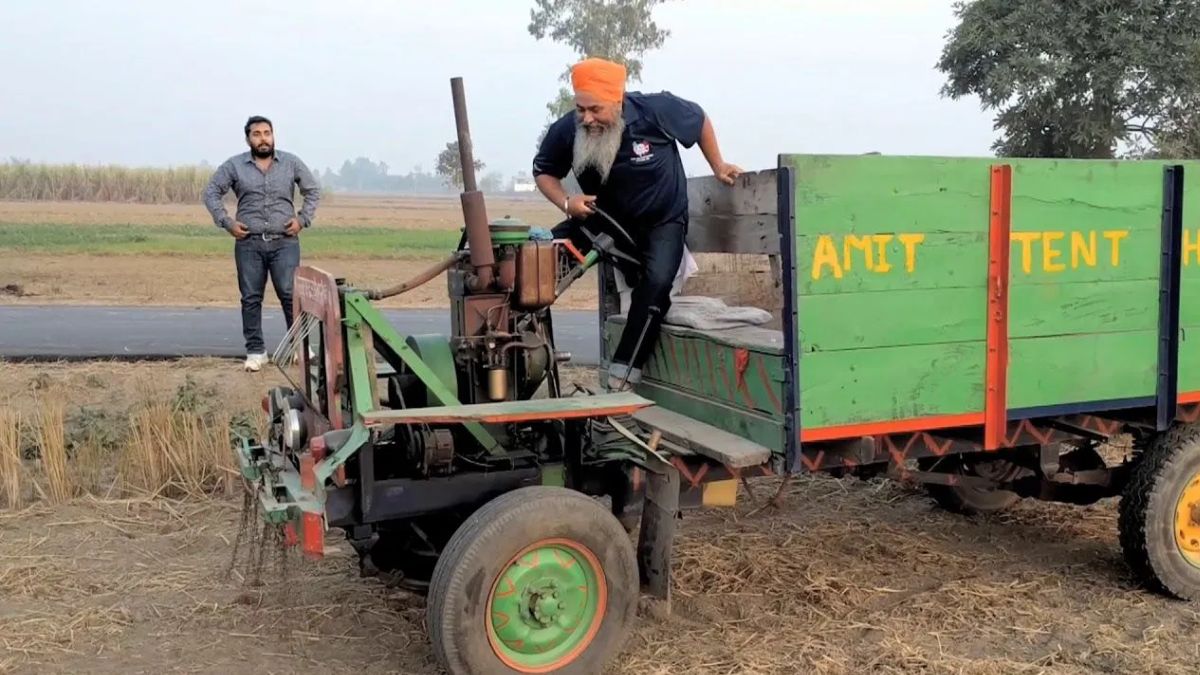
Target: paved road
x,y
79,332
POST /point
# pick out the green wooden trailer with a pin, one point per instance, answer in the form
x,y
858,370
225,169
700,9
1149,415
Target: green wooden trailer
x,y
984,326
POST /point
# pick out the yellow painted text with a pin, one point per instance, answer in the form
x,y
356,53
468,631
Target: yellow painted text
x,y
834,256
1054,251
1050,251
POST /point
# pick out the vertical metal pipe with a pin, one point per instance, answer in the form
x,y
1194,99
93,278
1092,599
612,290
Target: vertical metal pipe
x,y
483,258
466,152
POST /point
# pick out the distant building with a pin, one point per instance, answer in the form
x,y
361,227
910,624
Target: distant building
x,y
523,183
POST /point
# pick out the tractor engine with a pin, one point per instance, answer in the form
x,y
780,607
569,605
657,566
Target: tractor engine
x,y
501,336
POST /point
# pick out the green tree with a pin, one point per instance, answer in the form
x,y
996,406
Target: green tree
x,y
617,30
1068,78
449,165
492,181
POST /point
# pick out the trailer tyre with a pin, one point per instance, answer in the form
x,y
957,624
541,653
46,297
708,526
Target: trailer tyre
x,y
1160,515
541,579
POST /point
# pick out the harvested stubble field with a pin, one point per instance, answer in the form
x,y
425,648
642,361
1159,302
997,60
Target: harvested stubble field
x,y
171,254
845,577
106,253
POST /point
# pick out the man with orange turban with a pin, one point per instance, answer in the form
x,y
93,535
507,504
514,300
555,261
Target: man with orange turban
x,y
622,147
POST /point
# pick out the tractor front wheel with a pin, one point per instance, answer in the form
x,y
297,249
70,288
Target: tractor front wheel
x,y
1160,514
539,580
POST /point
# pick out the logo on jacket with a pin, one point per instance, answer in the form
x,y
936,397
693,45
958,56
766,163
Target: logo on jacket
x,y
641,152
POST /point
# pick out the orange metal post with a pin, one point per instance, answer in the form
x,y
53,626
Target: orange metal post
x,y
999,247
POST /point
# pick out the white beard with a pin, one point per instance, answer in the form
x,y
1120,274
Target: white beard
x,y
598,152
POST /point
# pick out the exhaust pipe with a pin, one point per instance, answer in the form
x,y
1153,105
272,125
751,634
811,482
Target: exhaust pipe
x,y
478,236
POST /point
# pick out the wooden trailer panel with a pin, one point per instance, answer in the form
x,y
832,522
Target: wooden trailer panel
x,y
1083,285
891,271
731,379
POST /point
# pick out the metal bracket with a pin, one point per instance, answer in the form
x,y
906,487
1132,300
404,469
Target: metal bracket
x,y
653,461
357,437
660,509
1048,459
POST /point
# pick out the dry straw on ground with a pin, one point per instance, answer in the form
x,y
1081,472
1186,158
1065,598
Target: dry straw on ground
x,y
10,458
52,448
176,453
173,440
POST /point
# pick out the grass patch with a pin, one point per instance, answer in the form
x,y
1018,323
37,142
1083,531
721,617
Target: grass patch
x,y
341,242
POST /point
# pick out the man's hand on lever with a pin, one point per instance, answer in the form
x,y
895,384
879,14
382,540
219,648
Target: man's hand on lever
x,y
580,206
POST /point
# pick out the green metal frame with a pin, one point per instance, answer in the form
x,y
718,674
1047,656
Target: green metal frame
x,y
359,435
360,316
434,350
283,496
274,511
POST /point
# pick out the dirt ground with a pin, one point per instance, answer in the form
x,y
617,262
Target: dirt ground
x,y
846,577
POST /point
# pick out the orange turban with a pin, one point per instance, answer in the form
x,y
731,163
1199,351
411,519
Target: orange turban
x,y
603,79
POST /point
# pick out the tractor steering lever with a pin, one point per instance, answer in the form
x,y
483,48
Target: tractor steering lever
x,y
604,245
615,224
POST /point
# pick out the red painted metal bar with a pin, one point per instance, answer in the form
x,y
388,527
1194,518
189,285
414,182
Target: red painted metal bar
x,y
819,434
999,245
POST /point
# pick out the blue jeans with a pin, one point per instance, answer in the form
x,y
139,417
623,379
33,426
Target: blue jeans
x,y
660,250
256,258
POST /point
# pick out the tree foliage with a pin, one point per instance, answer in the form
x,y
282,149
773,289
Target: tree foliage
x,y
492,181
1080,78
367,176
449,165
617,30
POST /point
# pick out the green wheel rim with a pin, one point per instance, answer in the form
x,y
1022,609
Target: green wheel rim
x,y
546,606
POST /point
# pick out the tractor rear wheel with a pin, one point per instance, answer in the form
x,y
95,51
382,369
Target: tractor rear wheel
x,y
1160,514
541,579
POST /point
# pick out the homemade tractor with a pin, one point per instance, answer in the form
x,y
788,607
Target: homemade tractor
x,y
990,328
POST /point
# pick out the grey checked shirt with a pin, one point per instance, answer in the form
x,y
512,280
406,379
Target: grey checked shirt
x,y
264,199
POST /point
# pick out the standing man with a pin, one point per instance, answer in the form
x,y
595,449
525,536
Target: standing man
x,y
622,148
267,227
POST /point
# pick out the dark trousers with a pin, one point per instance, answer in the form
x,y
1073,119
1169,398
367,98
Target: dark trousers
x,y
660,249
256,259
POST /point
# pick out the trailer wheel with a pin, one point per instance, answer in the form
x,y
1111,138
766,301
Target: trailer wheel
x,y
540,579
972,501
1160,515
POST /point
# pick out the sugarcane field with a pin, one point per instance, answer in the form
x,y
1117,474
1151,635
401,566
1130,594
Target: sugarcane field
x,y
788,337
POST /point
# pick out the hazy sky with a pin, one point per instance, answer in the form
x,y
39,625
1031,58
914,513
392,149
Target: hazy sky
x,y
160,83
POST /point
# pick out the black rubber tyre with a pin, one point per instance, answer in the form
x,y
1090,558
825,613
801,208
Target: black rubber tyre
x,y
479,552
1148,513
967,501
